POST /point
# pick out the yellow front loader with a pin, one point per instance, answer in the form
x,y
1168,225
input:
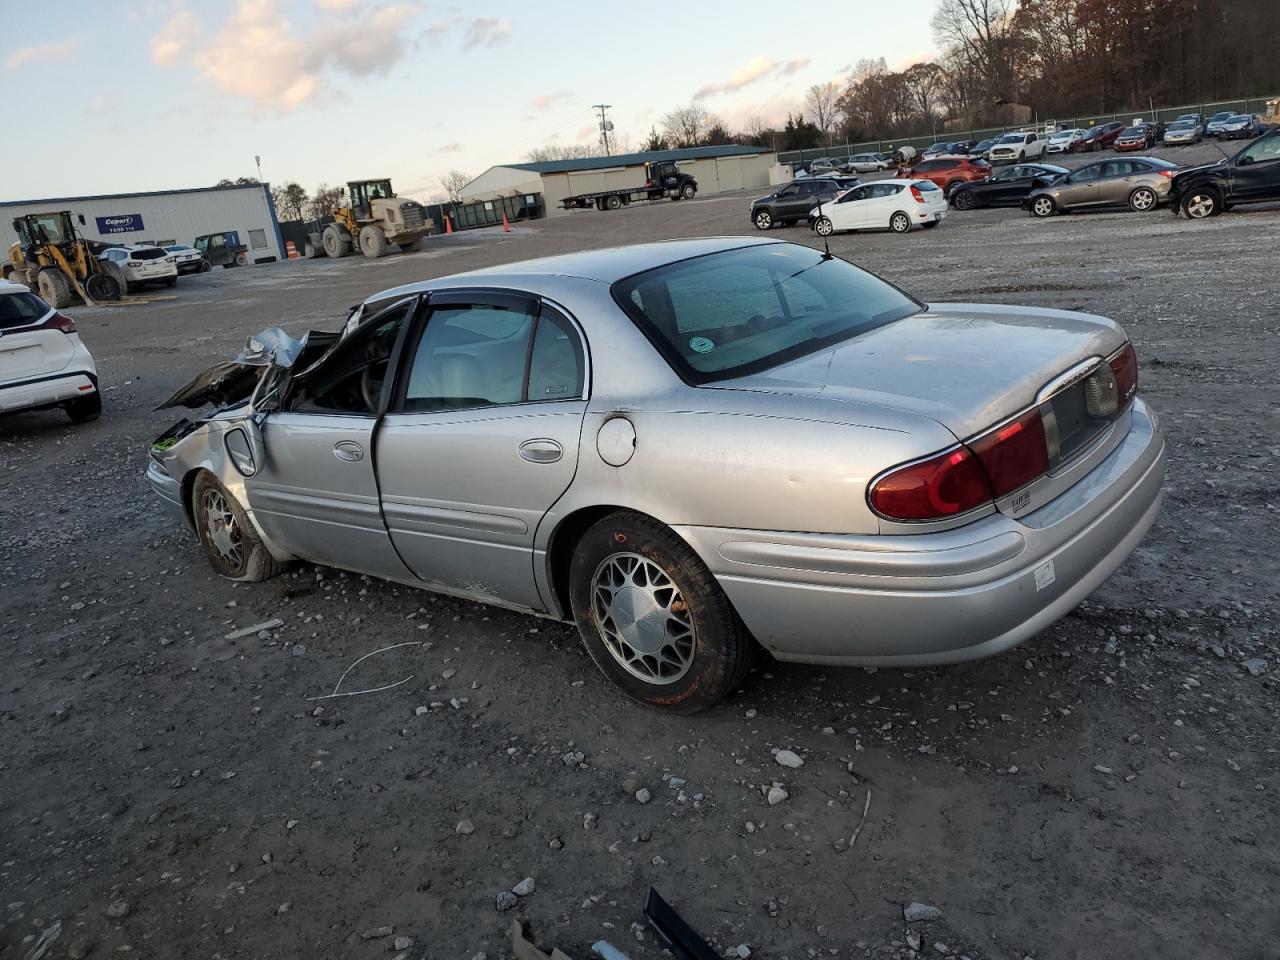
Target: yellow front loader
x,y
53,260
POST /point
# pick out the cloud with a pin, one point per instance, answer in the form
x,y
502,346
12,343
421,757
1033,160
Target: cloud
x,y
753,71
545,101
341,7
58,50
448,148
256,55
367,47
168,45
487,32
588,133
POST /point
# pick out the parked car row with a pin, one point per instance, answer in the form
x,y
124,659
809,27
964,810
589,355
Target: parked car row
x,y
857,163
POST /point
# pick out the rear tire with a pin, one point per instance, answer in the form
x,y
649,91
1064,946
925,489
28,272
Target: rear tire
x,y
231,543
310,251
900,223
171,282
613,202
824,227
85,409
53,288
653,618
1143,200
373,242
103,287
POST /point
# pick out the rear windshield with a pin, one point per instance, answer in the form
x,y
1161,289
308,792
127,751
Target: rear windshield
x,y
1158,164
153,254
741,311
21,309
925,185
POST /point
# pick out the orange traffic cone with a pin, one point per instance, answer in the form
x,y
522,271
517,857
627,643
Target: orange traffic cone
x,y
448,224
506,227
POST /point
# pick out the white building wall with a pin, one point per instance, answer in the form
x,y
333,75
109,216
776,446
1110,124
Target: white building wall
x,y
501,182
179,215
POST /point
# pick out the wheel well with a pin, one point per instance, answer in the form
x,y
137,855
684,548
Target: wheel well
x,y
565,538
188,490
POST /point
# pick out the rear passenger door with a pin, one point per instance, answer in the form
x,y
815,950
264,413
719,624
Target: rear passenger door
x,y
481,441
1117,180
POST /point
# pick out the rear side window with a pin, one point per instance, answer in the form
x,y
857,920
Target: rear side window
x,y
21,310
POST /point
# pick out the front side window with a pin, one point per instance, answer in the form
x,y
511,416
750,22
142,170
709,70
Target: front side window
x,y
1263,150
349,378
739,311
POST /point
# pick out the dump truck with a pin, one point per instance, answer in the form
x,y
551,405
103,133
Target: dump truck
x,y
374,219
662,180
56,262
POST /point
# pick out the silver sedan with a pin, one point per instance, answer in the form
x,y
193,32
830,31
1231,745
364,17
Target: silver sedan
x,y
690,449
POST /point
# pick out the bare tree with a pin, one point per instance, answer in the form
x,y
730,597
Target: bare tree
x,y
981,32
822,102
685,126
325,200
556,151
290,200
922,82
453,182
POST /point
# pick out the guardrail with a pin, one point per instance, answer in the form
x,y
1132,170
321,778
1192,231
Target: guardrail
x,y
1248,105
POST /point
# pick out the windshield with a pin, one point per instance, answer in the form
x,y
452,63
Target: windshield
x,y
741,311
1182,125
1012,138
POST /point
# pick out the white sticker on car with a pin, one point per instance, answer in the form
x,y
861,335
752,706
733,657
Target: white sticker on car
x,y
701,345
1044,575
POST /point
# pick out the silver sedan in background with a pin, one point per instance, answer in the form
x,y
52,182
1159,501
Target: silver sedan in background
x,y
690,449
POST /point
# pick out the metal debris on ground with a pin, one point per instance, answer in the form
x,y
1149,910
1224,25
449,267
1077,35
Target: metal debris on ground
x,y
522,944
680,938
356,693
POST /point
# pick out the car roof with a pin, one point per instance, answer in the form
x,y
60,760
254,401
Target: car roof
x,y
8,286
603,266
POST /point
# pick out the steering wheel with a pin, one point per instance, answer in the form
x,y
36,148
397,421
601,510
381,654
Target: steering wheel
x,y
371,384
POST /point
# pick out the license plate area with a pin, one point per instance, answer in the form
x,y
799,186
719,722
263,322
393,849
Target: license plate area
x,y
1077,415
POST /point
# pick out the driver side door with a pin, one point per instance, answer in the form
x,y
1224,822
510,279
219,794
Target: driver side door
x,y
316,494
1258,178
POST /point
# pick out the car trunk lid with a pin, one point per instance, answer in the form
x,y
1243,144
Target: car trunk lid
x,y
29,355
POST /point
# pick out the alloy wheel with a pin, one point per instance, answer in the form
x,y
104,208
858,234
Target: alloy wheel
x,y
1200,205
1042,207
1143,199
643,618
222,529
824,227
900,223
764,220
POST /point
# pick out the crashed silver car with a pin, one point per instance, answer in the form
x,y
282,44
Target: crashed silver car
x,y
689,448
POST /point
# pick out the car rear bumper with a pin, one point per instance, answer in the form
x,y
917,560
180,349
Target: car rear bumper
x,y
945,597
48,391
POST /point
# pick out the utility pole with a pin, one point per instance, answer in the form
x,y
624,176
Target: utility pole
x,y
258,160
605,125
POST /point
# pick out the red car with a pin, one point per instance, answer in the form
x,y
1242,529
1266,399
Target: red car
x,y
947,172
1098,138
1134,138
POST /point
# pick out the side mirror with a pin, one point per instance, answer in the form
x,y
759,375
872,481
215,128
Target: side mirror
x,y
244,447
1244,161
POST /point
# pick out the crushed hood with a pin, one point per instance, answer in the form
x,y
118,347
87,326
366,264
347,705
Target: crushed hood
x,y
234,380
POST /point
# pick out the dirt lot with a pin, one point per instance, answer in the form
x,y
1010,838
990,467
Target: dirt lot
x,y
1109,789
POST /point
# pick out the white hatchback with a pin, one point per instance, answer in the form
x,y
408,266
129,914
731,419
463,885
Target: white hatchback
x,y
43,363
1064,140
134,266
896,205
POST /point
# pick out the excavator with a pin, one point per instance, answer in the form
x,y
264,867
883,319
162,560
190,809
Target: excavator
x,y
56,262
375,218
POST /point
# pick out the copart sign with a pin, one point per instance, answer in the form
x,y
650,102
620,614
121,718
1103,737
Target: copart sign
x,y
120,223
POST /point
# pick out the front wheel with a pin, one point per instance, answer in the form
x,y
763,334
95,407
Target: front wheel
x,y
652,616
688,191
1143,200
230,542
1201,204
824,227
899,223
763,219
1043,207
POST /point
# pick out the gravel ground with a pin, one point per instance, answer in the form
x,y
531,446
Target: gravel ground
x,y
1108,789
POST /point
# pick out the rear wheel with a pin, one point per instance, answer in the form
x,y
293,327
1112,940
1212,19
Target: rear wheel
x,y
84,409
1043,207
653,617
1201,204
764,219
373,242
232,545
54,288
964,200
310,251
171,282
103,286
824,227
930,225
899,223
1143,200
613,202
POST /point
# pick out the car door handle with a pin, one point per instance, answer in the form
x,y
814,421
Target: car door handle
x,y
349,451
541,451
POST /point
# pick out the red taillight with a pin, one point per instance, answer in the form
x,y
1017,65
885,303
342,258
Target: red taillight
x,y
948,484
133,263
59,321
1013,454
915,192
1124,366
1169,173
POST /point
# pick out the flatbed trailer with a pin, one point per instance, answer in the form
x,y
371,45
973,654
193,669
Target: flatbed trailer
x,y
662,181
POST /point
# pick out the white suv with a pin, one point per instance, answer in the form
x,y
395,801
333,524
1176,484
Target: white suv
x,y
1016,147
134,266
43,364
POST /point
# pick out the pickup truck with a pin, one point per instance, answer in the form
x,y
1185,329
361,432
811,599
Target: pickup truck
x,y
1251,176
1016,147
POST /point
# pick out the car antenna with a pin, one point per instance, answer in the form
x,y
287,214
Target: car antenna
x,y
826,244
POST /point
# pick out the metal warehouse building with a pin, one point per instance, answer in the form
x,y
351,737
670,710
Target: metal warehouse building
x,y
727,167
166,215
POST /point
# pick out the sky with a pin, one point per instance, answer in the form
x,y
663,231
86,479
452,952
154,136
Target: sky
x,y
166,94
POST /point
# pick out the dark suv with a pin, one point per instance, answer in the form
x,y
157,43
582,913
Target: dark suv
x,y
793,202
1251,176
